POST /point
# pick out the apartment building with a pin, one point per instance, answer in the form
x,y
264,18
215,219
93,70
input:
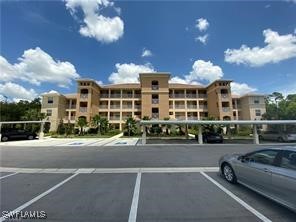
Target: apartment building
x,y
154,96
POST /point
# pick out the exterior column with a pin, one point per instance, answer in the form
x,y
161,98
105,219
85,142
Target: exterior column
x,y
200,135
144,135
41,133
255,135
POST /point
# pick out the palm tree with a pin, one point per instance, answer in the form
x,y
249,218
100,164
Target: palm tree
x,y
81,122
131,126
104,125
167,126
96,122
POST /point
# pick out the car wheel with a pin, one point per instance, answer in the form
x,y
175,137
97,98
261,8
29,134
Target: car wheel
x,y
4,138
30,137
280,139
228,173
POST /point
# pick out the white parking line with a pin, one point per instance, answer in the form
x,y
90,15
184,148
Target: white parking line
x,y
240,201
8,175
113,170
134,207
20,208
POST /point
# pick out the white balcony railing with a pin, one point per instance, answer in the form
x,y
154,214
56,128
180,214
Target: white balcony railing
x,y
126,117
180,117
224,96
137,106
104,95
83,109
115,95
179,106
202,96
191,96
171,106
155,101
177,95
192,118
84,96
127,95
103,106
191,106
203,106
114,106
225,109
137,95
114,117
154,87
127,106
155,115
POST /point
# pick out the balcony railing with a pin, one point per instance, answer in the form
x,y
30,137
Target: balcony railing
x,y
180,117
127,95
177,95
179,106
71,107
225,109
155,115
83,109
126,117
114,117
127,106
191,106
103,106
192,118
171,106
202,96
104,95
154,87
84,96
155,101
137,95
137,106
191,96
72,118
224,96
115,95
114,106
203,106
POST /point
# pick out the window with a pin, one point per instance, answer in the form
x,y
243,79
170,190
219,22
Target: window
x,y
288,160
256,100
50,100
257,112
49,112
171,113
263,157
154,85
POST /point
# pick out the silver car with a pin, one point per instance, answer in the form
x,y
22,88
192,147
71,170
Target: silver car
x,y
270,172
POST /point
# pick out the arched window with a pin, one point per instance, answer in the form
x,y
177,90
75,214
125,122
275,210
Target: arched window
x,y
154,85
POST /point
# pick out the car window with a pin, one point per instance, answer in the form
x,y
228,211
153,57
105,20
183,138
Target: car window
x,y
264,157
288,160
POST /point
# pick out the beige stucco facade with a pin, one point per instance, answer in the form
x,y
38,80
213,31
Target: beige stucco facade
x,y
155,97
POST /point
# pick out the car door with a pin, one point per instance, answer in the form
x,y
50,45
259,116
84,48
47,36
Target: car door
x,y
284,178
255,169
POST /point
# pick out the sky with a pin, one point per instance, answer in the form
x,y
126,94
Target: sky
x,y
46,45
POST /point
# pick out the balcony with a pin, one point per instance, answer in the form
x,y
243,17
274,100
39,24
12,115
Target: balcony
x,y
137,106
155,115
72,106
192,118
126,117
155,101
180,117
191,96
104,95
127,95
116,95
224,96
226,109
171,106
103,106
177,95
84,96
191,106
202,96
154,87
114,106
114,117
83,109
137,95
179,106
203,106
72,118
127,106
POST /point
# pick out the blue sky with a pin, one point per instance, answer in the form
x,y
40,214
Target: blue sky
x,y
45,45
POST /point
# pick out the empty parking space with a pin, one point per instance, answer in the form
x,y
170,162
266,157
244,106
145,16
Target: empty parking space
x,y
89,197
20,188
186,197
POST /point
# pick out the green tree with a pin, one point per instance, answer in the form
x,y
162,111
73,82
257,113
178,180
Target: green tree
x,y
104,125
96,122
81,123
68,128
130,126
61,128
167,126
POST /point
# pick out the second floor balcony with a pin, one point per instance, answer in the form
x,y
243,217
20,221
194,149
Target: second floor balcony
x,y
83,96
226,109
114,106
83,109
191,106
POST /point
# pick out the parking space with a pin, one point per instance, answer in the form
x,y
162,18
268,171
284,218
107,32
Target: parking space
x,y
94,195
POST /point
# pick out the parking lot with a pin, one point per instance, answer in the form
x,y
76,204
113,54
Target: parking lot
x,y
128,183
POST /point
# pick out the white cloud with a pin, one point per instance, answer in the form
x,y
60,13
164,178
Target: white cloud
x,y
203,39
146,53
177,79
16,92
241,88
103,29
99,82
50,92
129,73
202,24
278,48
202,70
36,66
